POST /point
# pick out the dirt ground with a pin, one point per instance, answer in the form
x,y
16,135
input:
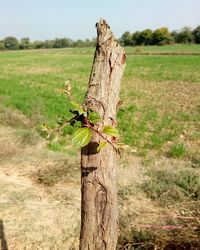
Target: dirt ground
x,y
32,215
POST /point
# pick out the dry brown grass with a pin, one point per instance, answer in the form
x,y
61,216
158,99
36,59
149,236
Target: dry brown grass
x,y
9,70
36,216
165,223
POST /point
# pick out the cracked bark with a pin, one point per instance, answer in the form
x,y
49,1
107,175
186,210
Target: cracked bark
x,y
99,212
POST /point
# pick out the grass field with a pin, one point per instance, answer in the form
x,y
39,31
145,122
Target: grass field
x,y
171,49
160,121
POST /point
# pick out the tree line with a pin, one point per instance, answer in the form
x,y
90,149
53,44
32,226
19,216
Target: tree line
x,y
12,43
159,36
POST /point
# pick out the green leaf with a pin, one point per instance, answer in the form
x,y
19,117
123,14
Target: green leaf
x,y
82,137
93,117
77,124
109,130
77,107
101,146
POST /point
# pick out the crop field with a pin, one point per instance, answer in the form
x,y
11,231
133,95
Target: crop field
x,y
158,175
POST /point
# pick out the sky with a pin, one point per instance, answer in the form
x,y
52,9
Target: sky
x,y
75,19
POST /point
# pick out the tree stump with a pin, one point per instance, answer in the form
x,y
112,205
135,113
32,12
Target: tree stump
x,y
99,210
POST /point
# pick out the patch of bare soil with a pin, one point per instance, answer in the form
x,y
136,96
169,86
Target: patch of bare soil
x,y
33,216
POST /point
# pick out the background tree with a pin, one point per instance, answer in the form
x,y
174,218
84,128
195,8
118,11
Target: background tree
x,y
2,47
196,34
126,39
62,43
25,43
79,43
146,37
135,38
48,44
11,42
90,43
38,44
162,36
185,36
174,35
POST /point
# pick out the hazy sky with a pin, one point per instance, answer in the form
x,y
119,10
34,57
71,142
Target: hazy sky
x,y
48,19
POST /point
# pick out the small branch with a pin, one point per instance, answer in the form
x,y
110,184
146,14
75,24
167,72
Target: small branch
x,y
102,136
58,129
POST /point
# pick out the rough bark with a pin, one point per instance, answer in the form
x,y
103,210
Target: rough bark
x,y
99,212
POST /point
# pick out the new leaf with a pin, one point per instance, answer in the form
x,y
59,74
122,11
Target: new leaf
x,y
77,107
82,137
93,117
109,130
101,146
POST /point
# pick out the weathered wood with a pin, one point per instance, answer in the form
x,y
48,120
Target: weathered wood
x,y
99,212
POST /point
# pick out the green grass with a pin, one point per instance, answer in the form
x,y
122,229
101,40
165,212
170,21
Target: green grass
x,y
164,68
160,93
55,146
159,119
176,48
177,150
30,81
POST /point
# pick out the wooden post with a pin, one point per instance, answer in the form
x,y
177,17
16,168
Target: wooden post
x,y
99,212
